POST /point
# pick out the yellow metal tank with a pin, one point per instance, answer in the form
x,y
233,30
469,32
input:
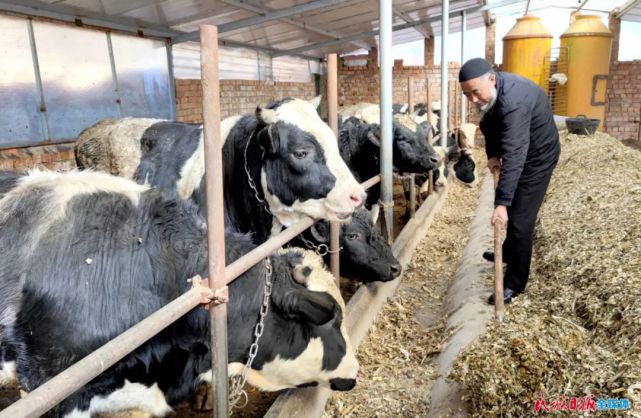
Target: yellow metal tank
x,y
525,49
587,44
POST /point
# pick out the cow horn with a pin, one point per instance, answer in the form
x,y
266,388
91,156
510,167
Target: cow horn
x,y
267,116
317,235
316,101
372,137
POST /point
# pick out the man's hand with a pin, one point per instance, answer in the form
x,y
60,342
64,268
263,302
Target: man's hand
x,y
492,163
500,214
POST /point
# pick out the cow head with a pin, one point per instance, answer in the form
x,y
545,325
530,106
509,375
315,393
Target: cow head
x,y
303,173
305,342
412,153
461,160
364,255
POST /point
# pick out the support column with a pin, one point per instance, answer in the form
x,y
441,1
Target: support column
x,y
490,42
385,43
445,18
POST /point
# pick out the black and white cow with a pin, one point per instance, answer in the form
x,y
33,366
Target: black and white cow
x,y
170,158
364,255
87,255
359,143
283,156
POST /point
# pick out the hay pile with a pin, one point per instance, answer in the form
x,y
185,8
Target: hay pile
x,y
577,329
397,357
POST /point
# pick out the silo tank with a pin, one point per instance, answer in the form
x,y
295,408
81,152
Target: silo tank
x,y
526,49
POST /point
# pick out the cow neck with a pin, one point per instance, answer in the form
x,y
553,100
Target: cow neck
x,y
258,192
367,160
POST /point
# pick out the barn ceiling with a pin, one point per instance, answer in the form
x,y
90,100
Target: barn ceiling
x,y
309,28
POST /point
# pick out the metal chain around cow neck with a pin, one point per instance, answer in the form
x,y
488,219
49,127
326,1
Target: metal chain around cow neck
x,y
251,182
321,249
238,381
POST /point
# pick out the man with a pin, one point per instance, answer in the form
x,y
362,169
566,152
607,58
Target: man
x,y
522,140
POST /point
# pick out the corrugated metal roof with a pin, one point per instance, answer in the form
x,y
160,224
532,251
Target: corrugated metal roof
x,y
330,26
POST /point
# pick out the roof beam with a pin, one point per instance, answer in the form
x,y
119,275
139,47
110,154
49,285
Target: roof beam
x,y
121,25
631,4
487,7
362,35
423,29
311,28
234,44
257,20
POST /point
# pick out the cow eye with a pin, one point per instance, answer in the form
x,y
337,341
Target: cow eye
x,y
353,237
300,154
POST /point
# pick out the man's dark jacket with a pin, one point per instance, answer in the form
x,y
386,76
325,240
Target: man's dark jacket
x,y
520,129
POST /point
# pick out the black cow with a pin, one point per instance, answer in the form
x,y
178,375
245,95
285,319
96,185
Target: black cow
x,y
281,164
364,255
359,143
87,255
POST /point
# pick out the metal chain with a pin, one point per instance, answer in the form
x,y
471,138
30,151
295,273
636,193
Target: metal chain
x,y
251,182
236,391
321,249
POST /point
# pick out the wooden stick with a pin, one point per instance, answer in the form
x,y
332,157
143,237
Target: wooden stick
x,y
499,307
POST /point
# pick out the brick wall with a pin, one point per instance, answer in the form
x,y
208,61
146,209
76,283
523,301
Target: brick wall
x,y
623,108
58,157
237,96
361,84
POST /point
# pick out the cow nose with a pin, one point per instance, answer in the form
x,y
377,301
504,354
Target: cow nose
x,y
396,270
342,384
434,159
356,200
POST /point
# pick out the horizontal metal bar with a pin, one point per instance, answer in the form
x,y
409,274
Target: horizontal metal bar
x,y
49,12
256,20
631,4
303,25
357,36
253,257
54,391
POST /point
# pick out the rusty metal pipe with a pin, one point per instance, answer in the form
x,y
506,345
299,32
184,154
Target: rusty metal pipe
x,y
54,391
332,114
412,196
215,214
410,95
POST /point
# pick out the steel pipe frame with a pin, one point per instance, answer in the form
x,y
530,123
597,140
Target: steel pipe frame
x,y
444,71
362,35
385,49
215,215
332,116
256,20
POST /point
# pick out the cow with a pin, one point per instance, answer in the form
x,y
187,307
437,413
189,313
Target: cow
x,y
281,164
170,159
359,143
364,255
86,255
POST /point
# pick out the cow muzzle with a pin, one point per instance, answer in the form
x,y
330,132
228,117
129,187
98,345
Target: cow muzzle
x,y
342,384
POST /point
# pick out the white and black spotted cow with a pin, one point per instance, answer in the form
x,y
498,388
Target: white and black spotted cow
x,y
86,255
284,151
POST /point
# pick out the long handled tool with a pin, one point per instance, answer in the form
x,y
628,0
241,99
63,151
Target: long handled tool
x,y
499,308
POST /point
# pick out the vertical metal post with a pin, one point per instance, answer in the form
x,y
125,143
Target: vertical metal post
x,y
385,40
445,16
215,218
410,110
114,74
410,95
463,26
172,80
332,115
36,70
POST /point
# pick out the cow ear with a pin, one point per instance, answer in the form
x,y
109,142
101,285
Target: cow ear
x,y
316,101
306,306
266,116
453,153
319,231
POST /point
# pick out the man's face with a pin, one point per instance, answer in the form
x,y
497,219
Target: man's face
x,y
481,91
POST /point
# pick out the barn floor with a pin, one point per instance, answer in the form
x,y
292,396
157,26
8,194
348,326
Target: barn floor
x,y
397,358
